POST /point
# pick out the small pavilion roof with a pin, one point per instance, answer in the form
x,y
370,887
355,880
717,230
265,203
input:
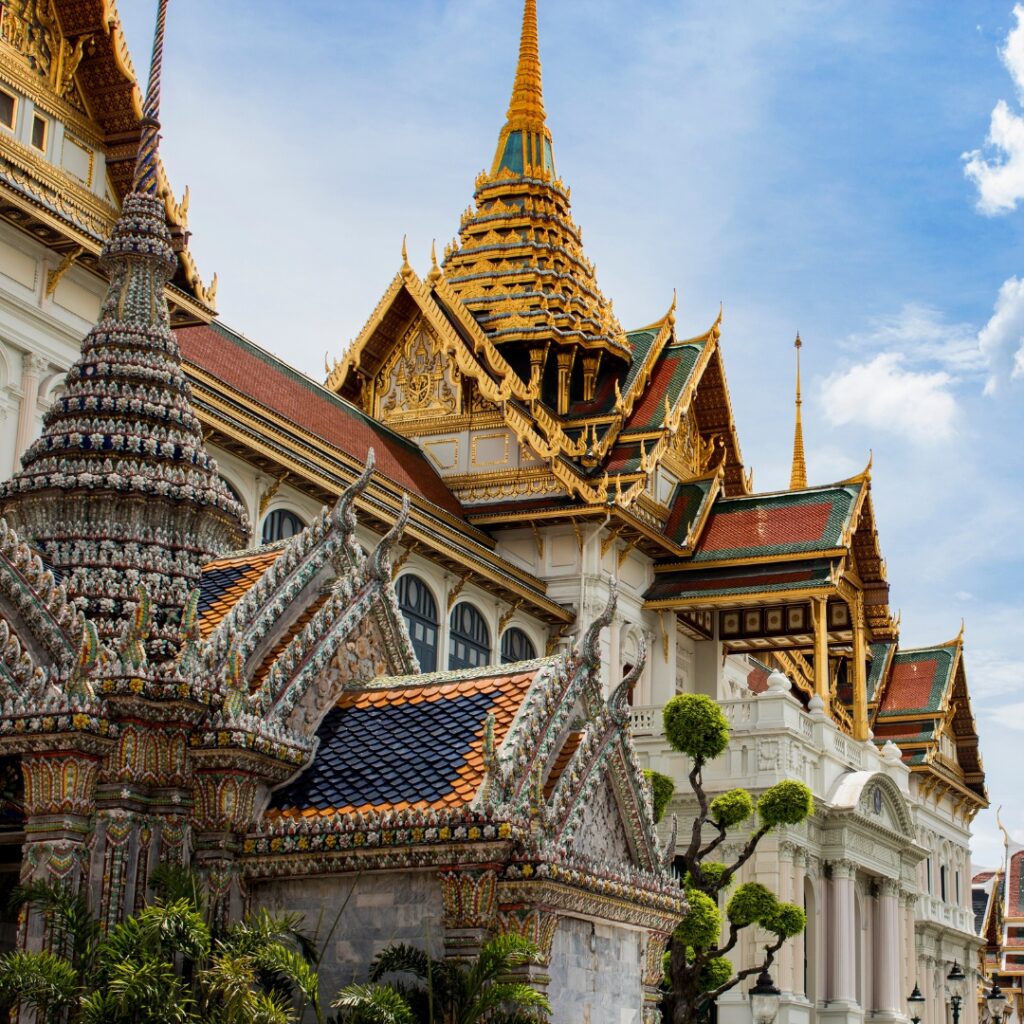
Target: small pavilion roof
x,y
415,742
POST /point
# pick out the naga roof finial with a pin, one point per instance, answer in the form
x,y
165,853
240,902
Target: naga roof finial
x,y
798,474
145,180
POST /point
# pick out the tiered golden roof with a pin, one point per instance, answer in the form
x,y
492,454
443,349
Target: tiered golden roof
x,y
518,264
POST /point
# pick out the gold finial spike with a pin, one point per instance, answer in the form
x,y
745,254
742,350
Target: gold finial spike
x,y
405,250
527,107
798,476
435,271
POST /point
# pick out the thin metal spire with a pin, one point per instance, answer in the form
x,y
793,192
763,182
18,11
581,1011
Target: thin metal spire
x,y
146,164
798,476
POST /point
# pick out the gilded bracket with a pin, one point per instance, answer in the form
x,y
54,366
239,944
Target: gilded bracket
x,y
268,495
507,617
455,590
613,536
624,552
54,276
538,540
664,635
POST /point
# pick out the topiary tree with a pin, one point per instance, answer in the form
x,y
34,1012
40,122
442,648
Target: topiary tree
x,y
697,967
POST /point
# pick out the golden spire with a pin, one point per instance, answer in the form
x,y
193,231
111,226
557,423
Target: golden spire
x,y
798,476
524,146
527,107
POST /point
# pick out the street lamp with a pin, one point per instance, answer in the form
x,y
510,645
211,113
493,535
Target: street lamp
x,y
764,999
956,981
915,1003
996,1003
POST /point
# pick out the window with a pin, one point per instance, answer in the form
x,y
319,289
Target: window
x,y
280,525
469,640
928,864
942,882
7,108
516,646
956,880
39,126
420,613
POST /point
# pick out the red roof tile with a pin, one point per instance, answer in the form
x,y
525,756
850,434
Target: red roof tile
x,y
257,374
910,685
759,527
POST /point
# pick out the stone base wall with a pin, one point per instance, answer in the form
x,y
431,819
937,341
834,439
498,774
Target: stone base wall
x,y
381,908
600,985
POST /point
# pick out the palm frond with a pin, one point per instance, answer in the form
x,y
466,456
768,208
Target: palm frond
x,y
373,1004
174,882
402,958
38,981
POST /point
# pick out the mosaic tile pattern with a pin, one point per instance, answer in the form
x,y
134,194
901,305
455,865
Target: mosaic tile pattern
x,y
225,582
412,745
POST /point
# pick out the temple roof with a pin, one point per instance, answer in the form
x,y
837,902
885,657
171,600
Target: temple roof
x,y
924,708
234,360
700,587
768,525
414,742
518,264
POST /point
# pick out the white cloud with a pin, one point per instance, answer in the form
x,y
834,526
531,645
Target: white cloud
x,y
1000,177
885,394
1003,335
922,334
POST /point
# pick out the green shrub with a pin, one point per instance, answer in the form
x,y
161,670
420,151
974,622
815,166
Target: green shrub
x,y
703,922
695,725
786,803
717,971
749,903
786,920
714,872
731,808
662,788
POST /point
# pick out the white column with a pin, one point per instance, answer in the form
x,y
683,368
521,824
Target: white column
x,y
786,979
798,941
842,953
31,367
888,952
908,904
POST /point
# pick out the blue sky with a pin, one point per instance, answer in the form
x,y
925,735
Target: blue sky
x,y
807,163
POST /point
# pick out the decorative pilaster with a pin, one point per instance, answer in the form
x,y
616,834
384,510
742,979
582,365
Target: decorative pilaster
x,y
786,959
31,367
798,942
539,927
654,955
470,905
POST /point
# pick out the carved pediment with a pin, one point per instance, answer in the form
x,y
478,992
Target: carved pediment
x,y
418,381
31,28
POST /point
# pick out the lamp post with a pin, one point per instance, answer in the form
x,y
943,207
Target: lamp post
x,y
996,1003
915,1003
764,999
956,980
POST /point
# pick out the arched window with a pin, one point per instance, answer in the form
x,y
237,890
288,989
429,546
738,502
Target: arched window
x,y
280,525
942,882
469,639
516,646
420,613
